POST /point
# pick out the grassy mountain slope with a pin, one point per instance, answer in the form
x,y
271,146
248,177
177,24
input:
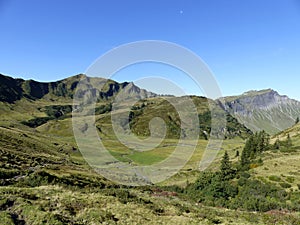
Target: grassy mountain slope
x,y
293,132
281,165
45,180
151,108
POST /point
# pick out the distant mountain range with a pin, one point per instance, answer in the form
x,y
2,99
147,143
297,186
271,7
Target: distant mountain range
x,y
264,110
12,89
255,110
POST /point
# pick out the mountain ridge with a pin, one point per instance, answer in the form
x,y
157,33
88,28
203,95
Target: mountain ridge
x,y
13,89
256,109
55,103
263,110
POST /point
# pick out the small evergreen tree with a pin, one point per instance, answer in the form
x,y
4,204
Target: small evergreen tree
x,y
248,149
288,141
245,159
256,144
297,120
276,144
227,172
262,141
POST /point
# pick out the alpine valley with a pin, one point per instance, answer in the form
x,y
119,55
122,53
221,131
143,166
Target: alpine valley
x,y
44,179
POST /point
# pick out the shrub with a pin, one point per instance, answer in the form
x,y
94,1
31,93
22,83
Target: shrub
x,y
242,181
290,179
245,175
275,178
37,121
253,165
285,185
6,174
255,195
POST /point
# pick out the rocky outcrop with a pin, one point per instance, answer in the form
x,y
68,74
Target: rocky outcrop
x,y
263,110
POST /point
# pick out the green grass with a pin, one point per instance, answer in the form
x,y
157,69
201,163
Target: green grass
x,y
54,204
45,180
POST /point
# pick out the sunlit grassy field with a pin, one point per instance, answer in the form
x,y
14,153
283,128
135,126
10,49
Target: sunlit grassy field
x,y
45,179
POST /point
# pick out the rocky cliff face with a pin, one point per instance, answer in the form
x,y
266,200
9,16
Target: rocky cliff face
x,y
264,110
12,89
130,90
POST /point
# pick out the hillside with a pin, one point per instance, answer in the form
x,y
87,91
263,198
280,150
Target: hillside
x,y
263,110
45,180
293,132
145,110
53,101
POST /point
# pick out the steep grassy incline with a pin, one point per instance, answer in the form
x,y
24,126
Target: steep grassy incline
x,y
293,132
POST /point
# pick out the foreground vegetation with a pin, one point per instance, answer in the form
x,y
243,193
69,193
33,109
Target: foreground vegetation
x,y
49,183
234,187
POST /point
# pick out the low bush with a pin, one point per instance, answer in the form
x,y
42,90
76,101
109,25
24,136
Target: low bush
x,y
285,185
275,178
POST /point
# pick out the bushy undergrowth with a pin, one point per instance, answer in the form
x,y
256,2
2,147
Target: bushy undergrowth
x,y
233,187
242,193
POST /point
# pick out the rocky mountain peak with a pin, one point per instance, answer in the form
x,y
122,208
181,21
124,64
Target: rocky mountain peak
x,y
253,100
263,110
12,89
132,91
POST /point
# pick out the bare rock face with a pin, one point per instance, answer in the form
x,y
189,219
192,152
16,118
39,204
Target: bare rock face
x,y
130,90
263,110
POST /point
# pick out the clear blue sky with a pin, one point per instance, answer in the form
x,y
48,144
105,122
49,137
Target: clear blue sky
x,y
248,44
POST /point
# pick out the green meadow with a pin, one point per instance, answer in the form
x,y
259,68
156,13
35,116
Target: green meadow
x,y
46,180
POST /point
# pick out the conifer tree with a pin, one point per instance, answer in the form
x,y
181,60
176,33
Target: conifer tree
x,y
237,153
227,172
289,141
263,141
276,144
245,159
256,144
